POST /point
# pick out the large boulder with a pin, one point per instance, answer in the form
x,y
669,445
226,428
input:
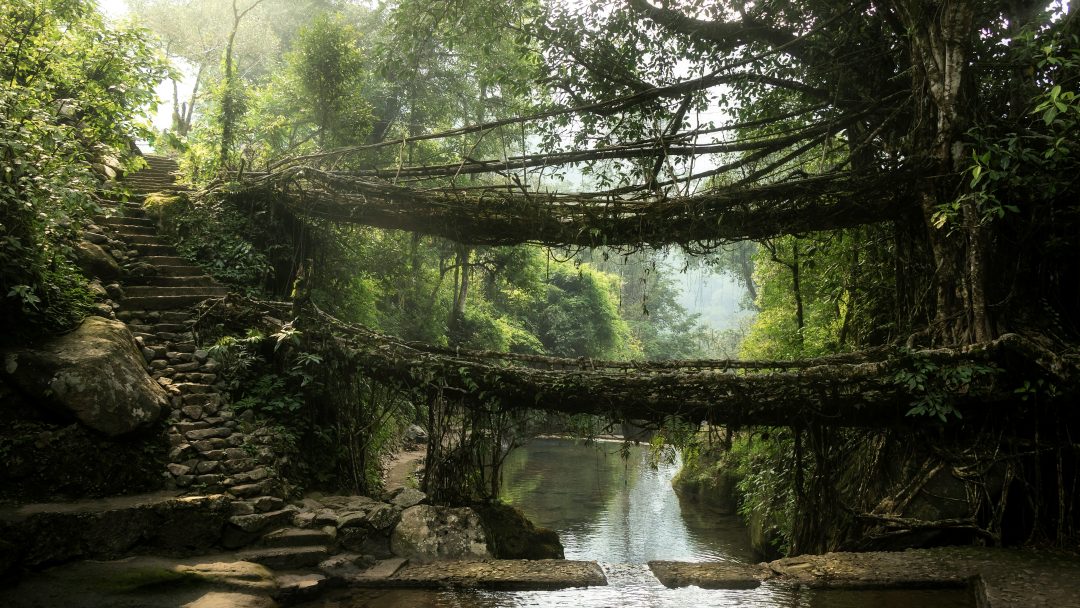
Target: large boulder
x,y
95,372
512,536
428,532
96,262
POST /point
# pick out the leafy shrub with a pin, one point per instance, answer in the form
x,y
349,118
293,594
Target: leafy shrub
x,y
71,90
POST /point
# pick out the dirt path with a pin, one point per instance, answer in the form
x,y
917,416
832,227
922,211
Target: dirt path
x,y
401,467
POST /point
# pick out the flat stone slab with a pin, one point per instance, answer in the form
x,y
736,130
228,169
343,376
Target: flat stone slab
x,y
53,533
709,575
285,558
381,571
494,574
148,582
1001,578
92,505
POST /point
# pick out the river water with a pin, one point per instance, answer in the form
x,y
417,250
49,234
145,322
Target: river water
x,y
617,507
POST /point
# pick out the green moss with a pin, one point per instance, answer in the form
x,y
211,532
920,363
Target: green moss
x,y
512,536
161,201
135,580
709,477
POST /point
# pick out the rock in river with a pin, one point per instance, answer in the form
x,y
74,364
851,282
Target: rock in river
x,y
428,532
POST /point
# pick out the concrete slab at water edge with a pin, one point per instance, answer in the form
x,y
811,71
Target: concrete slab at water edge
x,y
493,574
709,575
1004,578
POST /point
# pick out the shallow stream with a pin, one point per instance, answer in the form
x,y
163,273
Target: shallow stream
x,y
622,512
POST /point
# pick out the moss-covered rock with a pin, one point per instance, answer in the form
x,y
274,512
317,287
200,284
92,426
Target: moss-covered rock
x,y
94,374
512,536
710,480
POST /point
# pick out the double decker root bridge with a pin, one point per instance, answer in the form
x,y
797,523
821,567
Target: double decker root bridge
x,y
861,389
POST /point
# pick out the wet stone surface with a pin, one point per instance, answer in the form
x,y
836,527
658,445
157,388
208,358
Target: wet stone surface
x,y
1004,578
496,574
710,575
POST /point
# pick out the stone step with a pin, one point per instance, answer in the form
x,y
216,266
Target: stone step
x,y
128,206
131,212
191,280
150,184
144,190
181,269
296,537
156,167
150,176
155,290
155,249
121,222
142,317
171,327
161,302
160,162
181,525
285,558
382,570
166,260
145,239
125,231
194,388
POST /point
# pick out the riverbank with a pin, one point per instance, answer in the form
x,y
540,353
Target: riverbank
x,y
998,578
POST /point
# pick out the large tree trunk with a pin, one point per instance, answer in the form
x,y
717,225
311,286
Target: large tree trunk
x,y
940,34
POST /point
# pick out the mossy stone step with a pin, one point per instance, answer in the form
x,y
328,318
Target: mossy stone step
x,y
183,268
131,212
124,221
156,290
193,280
162,302
166,260
296,537
127,230
285,558
158,249
144,239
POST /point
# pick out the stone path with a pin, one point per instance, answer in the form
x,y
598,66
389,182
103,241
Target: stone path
x,y
210,449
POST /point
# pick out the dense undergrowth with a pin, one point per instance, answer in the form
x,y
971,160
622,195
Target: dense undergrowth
x,y
72,90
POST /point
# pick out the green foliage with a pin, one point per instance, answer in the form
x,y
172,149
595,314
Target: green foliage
x,y
648,301
327,64
766,484
580,316
934,386
845,290
212,232
71,90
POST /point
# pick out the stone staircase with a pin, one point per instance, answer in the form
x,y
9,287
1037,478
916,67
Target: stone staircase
x,y
211,449
291,548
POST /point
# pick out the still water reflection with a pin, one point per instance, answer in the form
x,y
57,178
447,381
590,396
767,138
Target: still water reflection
x,y
622,512
616,510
